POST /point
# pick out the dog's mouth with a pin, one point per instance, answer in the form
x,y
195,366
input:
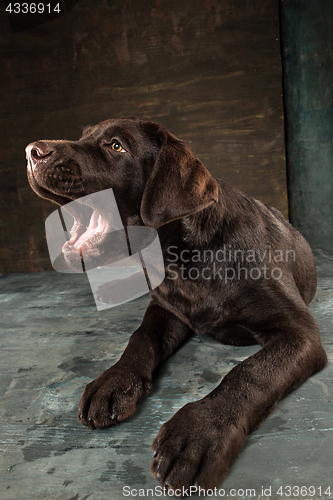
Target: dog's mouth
x,y
89,229
93,238
96,237
89,235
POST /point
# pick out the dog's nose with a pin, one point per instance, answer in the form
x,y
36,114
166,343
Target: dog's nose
x,y
38,152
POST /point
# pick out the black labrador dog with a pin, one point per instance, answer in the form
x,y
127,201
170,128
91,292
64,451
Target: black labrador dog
x,y
235,269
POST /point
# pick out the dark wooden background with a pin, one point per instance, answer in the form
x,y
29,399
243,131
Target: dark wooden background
x,y
308,96
209,70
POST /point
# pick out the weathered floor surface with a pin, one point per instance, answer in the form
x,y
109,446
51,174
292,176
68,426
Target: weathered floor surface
x,y
53,341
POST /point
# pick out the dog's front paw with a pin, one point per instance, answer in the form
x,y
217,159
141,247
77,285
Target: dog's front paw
x,y
112,397
192,448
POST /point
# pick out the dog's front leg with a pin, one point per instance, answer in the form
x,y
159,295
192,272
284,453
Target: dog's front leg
x,y
197,445
112,397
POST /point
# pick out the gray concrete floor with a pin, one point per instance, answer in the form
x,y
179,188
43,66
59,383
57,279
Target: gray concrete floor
x,y
54,341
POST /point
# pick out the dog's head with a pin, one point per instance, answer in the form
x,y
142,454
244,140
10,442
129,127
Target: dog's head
x,y
155,177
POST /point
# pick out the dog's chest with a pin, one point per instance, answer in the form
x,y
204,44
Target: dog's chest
x,y
193,301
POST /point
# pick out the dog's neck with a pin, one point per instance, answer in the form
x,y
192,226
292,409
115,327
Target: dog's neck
x,y
219,219
202,226
195,229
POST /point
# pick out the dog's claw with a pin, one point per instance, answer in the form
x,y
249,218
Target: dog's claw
x,y
111,397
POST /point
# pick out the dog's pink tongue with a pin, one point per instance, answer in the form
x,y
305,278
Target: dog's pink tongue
x,y
96,225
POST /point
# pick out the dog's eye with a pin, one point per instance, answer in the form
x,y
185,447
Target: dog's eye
x,y
116,146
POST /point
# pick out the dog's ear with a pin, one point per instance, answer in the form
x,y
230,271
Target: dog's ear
x,y
179,184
